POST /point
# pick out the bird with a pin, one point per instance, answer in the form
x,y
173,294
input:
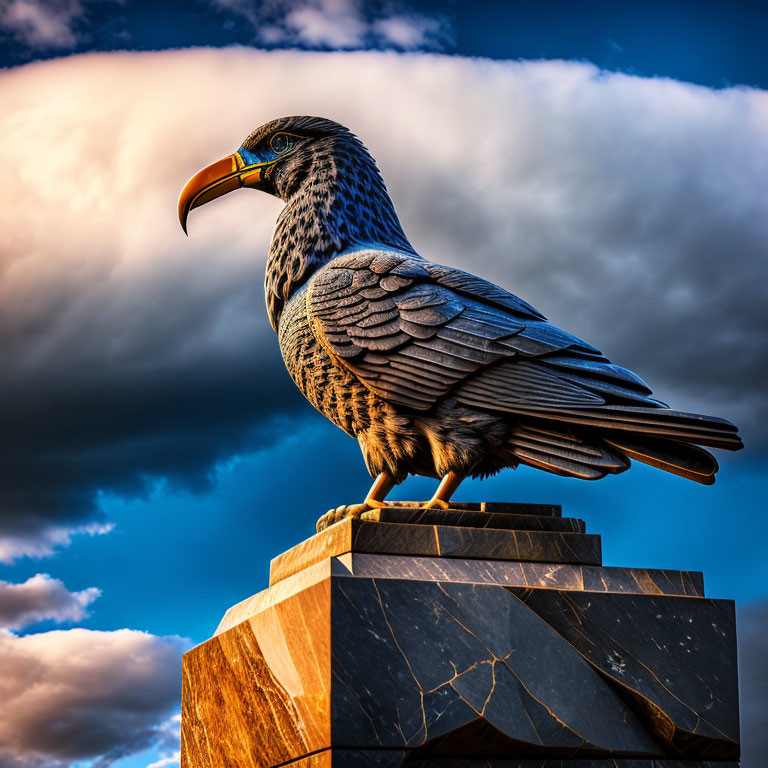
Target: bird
x,y
433,370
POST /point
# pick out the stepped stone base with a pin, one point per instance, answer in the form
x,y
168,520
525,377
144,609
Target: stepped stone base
x,y
429,639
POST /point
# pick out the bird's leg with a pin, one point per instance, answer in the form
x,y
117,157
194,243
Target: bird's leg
x,y
382,485
374,499
446,489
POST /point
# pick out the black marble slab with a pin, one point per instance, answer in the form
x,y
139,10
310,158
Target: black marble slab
x,y
522,574
434,672
355,535
501,507
467,670
674,657
475,519
502,572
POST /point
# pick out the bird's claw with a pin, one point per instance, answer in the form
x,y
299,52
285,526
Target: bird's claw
x,y
436,504
341,513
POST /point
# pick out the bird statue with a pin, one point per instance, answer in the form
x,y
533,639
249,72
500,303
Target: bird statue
x,y
434,371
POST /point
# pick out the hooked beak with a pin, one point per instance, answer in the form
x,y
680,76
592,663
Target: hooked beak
x,y
216,180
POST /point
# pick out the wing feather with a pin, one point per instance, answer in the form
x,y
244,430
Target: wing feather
x,y
412,332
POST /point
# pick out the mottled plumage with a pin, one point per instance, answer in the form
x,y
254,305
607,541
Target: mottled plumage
x,y
433,370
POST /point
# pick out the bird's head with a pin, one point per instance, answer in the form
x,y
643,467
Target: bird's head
x,y
275,158
335,197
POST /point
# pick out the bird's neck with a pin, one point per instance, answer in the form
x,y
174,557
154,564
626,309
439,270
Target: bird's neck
x,y
337,203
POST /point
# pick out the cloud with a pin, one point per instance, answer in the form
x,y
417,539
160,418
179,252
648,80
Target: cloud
x,y
337,24
41,598
43,540
629,210
411,33
166,761
47,24
169,743
42,25
753,682
81,694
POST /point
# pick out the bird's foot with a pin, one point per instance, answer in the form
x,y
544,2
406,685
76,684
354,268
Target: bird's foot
x,y
347,510
436,504
374,499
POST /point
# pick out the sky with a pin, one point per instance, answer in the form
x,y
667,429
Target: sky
x,y
157,455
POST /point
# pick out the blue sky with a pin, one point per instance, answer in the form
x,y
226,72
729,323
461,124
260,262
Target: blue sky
x,y
715,44
160,453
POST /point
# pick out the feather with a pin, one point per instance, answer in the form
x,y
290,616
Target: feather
x,y
681,459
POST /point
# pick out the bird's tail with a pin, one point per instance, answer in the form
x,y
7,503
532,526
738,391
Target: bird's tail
x,y
591,443
681,459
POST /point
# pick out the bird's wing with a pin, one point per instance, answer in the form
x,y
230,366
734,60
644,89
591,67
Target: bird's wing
x,y
413,332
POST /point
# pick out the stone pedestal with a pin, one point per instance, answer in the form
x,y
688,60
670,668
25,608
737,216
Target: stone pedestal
x,y
487,636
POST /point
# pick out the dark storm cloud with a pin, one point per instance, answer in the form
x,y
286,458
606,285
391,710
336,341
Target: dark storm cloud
x,y
628,210
119,430
186,377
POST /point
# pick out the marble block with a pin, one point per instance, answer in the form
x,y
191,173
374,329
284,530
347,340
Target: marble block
x,y
475,519
494,507
387,655
440,541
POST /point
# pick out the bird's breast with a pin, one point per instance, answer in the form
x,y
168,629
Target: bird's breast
x,y
327,384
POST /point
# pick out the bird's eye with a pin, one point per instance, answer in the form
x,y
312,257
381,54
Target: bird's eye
x,y
281,143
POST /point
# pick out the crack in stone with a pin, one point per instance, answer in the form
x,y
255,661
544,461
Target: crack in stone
x,y
360,704
456,675
638,693
673,695
449,596
564,542
538,701
530,720
399,725
572,606
493,688
408,663
350,601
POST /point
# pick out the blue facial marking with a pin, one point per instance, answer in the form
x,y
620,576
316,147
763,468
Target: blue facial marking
x,y
249,158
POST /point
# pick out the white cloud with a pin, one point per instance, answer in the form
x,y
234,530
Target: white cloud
x,y
80,694
166,761
168,743
41,598
410,33
337,24
331,23
50,24
43,540
41,24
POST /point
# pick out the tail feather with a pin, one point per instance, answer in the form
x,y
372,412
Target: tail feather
x,y
651,422
681,459
563,453
594,444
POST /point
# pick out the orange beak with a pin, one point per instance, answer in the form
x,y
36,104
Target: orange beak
x,y
216,180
